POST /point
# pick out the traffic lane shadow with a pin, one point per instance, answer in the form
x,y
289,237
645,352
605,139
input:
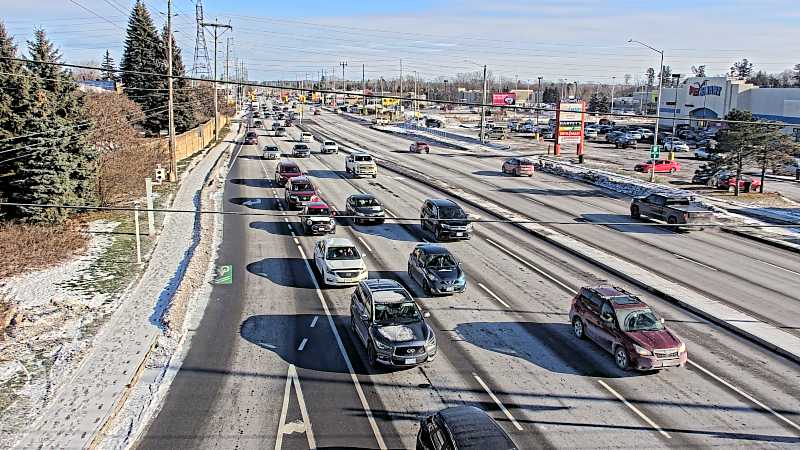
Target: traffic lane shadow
x,y
252,182
489,173
643,226
251,157
277,228
284,271
390,230
326,174
260,203
556,348
554,192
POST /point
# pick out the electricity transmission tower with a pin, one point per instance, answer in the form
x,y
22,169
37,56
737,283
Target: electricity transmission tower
x,y
200,68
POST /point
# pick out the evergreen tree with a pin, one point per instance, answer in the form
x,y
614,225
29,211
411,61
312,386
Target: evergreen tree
x,y
699,71
107,66
651,77
796,74
59,166
742,143
184,109
742,69
144,53
550,94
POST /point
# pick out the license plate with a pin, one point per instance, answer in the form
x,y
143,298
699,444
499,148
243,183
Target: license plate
x,y
449,289
459,234
411,360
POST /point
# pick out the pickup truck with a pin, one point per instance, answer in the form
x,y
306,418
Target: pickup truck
x,y
675,209
361,164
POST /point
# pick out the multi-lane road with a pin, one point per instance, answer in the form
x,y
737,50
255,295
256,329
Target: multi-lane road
x,y
273,363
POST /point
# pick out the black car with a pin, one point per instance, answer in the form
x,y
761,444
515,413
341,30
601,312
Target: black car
x,y
364,208
460,428
624,140
445,219
251,138
389,323
436,270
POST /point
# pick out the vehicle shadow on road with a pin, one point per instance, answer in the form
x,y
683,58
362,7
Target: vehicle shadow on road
x,y
251,157
554,192
252,182
289,272
276,228
556,350
636,226
489,173
260,203
388,230
326,174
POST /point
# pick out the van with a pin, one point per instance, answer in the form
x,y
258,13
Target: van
x,y
305,136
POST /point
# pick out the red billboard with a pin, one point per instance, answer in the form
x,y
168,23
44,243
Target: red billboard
x,y
504,99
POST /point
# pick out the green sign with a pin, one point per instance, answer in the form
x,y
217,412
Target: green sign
x,y
655,151
224,275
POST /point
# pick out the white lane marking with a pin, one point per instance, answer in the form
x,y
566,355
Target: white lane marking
x,y
694,262
295,240
286,219
362,398
291,227
497,400
399,178
543,273
389,212
365,244
302,344
314,322
293,379
745,395
494,295
778,267
635,409
265,345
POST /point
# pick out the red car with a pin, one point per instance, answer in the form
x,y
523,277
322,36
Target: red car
x,y
518,167
727,180
624,325
662,166
285,170
299,191
419,147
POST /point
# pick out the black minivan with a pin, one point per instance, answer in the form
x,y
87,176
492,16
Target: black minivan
x,y
461,428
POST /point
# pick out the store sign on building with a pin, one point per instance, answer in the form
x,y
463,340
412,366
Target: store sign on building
x,y
703,89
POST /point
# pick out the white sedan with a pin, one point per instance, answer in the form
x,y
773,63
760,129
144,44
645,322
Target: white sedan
x,y
329,147
676,145
339,262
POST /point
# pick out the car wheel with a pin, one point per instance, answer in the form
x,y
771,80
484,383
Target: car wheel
x,y
672,170
635,212
372,355
353,324
426,287
577,328
621,358
671,220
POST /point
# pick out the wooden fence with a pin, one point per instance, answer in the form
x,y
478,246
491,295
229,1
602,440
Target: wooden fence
x,y
192,141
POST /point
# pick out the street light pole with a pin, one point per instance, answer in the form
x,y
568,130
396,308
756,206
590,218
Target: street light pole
x,y
658,102
173,155
676,77
483,107
538,102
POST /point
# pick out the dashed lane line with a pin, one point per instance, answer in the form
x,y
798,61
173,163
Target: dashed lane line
x,y
778,267
314,322
530,265
494,295
635,409
365,244
694,262
497,401
302,345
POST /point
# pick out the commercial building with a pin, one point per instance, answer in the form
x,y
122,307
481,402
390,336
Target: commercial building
x,y
713,97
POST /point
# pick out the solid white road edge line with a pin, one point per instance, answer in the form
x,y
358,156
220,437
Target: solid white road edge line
x,y
314,322
494,295
694,262
365,244
302,345
356,383
635,409
520,259
746,395
497,400
778,267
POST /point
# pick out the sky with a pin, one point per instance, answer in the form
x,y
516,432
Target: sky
x,y
574,40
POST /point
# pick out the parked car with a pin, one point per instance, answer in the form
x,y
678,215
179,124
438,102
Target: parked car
x,y
646,134
707,154
590,133
339,262
361,164
365,208
635,134
251,138
433,123
612,136
727,180
518,167
299,191
548,134
436,270
462,427
445,219
257,124
285,170
280,132
419,147
675,145
271,152
301,151
624,325
624,140
390,325
661,166
317,111
702,175
675,209
317,218
329,147
497,132
305,136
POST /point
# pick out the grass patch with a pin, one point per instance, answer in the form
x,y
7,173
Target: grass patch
x,y
27,247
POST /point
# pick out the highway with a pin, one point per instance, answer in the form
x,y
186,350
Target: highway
x,y
274,364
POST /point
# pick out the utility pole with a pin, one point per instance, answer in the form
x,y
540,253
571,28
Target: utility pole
x,y
613,83
173,155
363,89
227,62
414,108
483,107
400,109
344,85
216,27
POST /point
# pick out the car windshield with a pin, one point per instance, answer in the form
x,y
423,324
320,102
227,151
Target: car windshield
x,y
271,149
441,262
342,253
639,320
302,187
364,202
451,212
301,147
362,158
318,212
290,169
396,313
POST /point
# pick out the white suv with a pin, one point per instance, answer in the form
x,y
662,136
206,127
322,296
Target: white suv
x,y
339,262
305,136
329,147
361,164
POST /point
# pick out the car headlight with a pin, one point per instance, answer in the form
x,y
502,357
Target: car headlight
x,y
430,277
381,346
682,348
641,350
309,222
444,225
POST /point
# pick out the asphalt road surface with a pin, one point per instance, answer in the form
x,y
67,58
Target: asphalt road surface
x,y
273,363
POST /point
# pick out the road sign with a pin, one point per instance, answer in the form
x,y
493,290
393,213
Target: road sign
x,y
224,275
654,151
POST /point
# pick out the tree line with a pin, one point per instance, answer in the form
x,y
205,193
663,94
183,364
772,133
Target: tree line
x,y
57,141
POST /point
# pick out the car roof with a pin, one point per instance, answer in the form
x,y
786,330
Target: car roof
x,y
618,297
442,202
317,205
433,249
363,196
289,164
472,428
360,152
300,179
338,242
381,284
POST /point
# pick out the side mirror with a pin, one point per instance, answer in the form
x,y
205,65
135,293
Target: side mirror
x,y
426,314
364,317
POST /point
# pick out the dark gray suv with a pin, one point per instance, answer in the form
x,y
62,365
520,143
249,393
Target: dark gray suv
x,y
445,219
389,323
436,270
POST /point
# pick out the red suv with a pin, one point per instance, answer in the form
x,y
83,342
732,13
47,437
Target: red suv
x,y
285,170
419,147
518,167
624,325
